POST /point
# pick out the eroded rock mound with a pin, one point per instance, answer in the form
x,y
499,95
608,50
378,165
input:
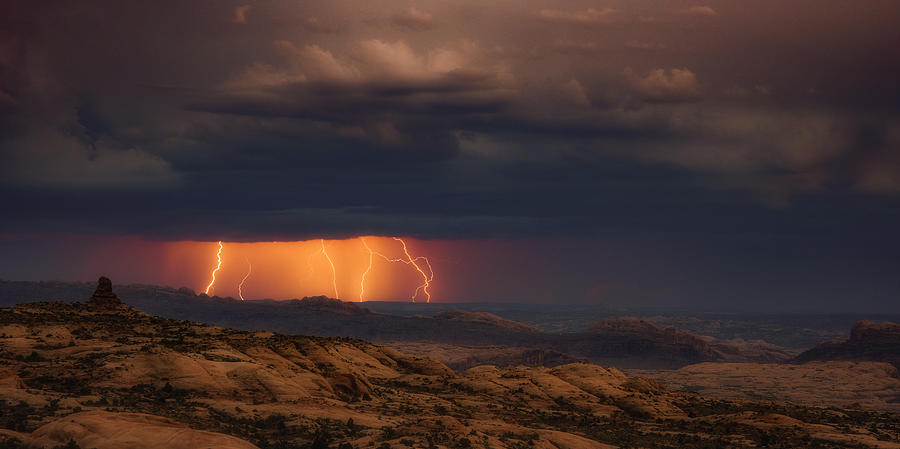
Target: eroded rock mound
x,y
103,430
835,384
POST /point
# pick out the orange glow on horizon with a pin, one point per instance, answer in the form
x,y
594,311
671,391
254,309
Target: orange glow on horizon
x,y
218,267
284,270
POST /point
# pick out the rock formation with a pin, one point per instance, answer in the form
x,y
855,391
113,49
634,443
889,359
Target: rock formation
x,y
872,333
869,341
104,296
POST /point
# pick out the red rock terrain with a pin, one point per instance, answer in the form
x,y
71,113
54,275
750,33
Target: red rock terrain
x,y
109,376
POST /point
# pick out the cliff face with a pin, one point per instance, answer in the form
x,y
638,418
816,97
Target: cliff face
x,y
871,333
869,341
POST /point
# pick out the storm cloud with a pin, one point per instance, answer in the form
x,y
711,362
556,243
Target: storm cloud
x,y
278,119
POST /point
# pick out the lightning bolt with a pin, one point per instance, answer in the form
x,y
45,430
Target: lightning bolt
x,y
218,267
333,272
241,286
410,260
426,279
420,263
362,280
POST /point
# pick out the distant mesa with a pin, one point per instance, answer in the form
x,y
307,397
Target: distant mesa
x,y
649,331
485,318
872,333
626,325
636,336
325,304
869,341
104,296
633,335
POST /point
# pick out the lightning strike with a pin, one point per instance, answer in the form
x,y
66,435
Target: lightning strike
x,y
218,267
362,280
425,278
421,264
241,285
333,271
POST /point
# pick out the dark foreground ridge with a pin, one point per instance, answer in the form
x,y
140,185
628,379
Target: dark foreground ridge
x,y
79,375
611,342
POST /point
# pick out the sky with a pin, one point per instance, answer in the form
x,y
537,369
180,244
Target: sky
x,y
726,155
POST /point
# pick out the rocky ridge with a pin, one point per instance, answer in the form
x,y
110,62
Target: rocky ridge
x,y
486,318
644,346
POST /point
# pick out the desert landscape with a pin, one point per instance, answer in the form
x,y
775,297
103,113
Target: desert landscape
x,y
102,374
449,224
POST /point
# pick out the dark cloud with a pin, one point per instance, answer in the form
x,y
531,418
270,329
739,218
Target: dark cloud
x,y
240,15
665,85
414,19
334,119
589,16
700,11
